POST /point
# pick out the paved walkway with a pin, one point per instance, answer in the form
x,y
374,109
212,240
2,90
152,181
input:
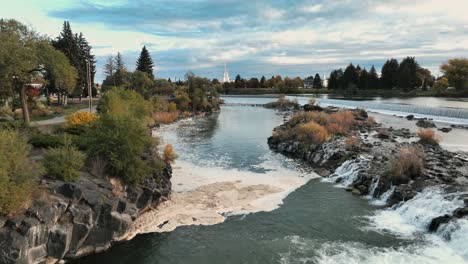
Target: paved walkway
x,y
58,119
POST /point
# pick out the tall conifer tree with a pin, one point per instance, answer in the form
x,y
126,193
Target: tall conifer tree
x,y
145,62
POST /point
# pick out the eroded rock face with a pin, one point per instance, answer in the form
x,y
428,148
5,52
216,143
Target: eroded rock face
x,y
76,219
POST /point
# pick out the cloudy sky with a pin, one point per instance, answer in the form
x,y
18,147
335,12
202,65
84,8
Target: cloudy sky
x,y
257,37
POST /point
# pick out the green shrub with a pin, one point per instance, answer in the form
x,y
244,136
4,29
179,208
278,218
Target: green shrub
x,y
18,174
122,142
64,162
41,140
118,101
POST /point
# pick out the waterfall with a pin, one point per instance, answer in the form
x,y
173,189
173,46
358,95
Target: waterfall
x,y
383,198
414,216
443,114
373,187
347,173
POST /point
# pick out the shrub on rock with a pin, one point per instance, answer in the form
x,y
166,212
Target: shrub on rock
x,y
312,132
18,173
428,136
64,162
121,141
407,165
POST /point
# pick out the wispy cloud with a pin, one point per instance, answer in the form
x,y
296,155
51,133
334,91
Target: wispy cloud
x,y
260,37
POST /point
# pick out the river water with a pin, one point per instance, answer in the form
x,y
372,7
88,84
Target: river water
x,y
316,223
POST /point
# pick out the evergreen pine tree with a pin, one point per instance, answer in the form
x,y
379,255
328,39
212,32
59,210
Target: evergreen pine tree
x,y
363,79
145,62
372,79
389,75
318,84
407,78
78,52
350,77
262,82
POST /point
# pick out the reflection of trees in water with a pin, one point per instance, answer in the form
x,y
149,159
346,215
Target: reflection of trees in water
x,y
201,129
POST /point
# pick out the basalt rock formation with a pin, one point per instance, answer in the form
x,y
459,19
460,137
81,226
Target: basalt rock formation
x,y
70,220
369,163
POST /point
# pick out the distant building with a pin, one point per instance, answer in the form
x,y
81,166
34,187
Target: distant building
x,y
225,75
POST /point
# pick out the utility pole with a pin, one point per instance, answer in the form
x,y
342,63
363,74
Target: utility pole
x,y
90,91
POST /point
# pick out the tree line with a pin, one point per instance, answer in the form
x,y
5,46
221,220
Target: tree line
x,y
406,75
278,82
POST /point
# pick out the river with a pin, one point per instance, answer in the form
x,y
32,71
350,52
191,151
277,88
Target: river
x,y
311,222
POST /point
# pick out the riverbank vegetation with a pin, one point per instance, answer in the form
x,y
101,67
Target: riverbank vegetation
x,y
283,104
319,127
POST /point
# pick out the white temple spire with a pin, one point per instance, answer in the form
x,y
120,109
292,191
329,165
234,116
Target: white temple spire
x,y
226,75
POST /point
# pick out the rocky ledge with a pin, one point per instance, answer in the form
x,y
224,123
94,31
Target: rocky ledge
x,y
70,220
364,167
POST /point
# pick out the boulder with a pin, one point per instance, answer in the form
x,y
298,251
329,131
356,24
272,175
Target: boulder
x,y
424,123
312,107
410,117
446,129
436,222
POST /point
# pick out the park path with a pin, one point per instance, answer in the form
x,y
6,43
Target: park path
x,y
58,119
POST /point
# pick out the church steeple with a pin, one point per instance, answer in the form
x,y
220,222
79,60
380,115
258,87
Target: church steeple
x,y
226,75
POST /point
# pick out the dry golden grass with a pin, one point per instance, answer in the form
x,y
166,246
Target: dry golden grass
x,y
305,117
428,136
165,117
408,164
312,132
340,123
169,155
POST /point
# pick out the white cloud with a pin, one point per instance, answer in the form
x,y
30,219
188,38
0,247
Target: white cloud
x,y
312,8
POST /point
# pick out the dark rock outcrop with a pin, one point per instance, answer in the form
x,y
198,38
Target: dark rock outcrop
x,y
424,123
312,107
79,218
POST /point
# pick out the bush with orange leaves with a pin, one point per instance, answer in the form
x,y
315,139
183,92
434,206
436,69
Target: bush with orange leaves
x,y
169,155
312,132
428,136
83,119
165,117
407,165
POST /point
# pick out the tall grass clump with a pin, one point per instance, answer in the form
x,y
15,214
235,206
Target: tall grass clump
x,y
428,136
312,133
18,174
169,155
408,164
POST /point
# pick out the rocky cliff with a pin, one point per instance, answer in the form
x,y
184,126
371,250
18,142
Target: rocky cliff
x,y
70,220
